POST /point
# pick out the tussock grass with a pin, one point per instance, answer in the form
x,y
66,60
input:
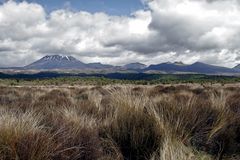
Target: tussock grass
x,y
164,122
131,127
77,135
22,137
174,149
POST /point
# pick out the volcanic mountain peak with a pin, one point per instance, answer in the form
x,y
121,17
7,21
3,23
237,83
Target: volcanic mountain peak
x,y
58,58
57,62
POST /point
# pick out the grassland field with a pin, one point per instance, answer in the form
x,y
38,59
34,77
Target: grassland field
x,y
89,119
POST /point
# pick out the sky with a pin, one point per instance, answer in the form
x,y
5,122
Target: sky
x,y
113,7
118,32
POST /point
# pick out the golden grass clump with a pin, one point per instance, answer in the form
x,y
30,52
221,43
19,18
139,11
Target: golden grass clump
x,y
22,137
76,134
131,127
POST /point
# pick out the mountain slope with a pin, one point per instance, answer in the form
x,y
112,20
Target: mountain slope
x,y
99,66
134,66
237,67
206,68
166,67
197,67
57,62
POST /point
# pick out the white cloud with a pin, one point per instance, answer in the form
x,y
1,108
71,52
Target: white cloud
x,y
200,26
169,30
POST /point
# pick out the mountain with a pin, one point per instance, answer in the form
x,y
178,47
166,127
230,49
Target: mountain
x,y
57,62
197,67
63,62
134,66
52,62
99,66
166,67
237,67
179,63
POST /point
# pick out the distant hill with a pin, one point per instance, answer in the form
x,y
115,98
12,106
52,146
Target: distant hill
x,y
99,66
134,66
197,67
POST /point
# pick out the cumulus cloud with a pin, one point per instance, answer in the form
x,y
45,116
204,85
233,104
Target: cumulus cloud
x,y
166,30
205,28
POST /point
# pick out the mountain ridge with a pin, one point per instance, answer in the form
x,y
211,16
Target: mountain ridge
x,y
134,66
197,67
59,62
